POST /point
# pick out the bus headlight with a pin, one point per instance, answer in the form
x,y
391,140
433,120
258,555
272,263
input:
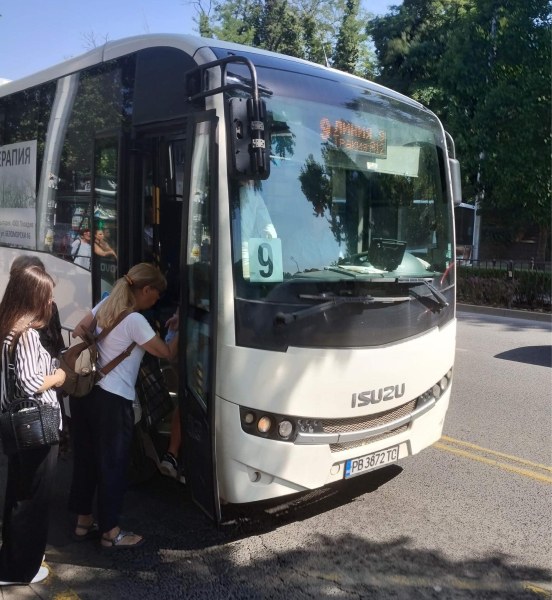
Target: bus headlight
x,y
285,429
436,391
271,426
264,424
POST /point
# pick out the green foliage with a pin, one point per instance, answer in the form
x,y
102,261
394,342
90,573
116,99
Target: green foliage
x,y
499,107
494,287
487,291
534,288
346,51
314,43
322,31
410,41
277,28
98,107
234,22
484,67
204,26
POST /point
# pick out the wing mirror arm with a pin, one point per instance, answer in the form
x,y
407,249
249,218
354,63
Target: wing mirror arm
x,y
454,168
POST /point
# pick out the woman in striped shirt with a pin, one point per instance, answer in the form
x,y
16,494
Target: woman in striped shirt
x,y
26,307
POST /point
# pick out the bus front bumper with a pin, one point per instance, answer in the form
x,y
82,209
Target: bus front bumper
x,y
251,468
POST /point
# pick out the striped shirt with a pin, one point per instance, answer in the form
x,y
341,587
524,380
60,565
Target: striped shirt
x,y
32,363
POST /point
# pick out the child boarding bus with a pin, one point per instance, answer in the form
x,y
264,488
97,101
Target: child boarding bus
x,y
304,220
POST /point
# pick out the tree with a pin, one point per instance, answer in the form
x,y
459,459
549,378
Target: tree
x,y
277,28
499,108
308,29
230,21
410,42
484,67
315,46
346,51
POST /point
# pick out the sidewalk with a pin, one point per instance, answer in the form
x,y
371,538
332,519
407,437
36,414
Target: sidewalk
x,y
545,317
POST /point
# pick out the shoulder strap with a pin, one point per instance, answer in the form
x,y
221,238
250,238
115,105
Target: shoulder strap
x,y
118,359
4,385
76,252
107,330
9,377
12,376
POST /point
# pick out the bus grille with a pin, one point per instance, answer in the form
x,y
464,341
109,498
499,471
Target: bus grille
x,y
367,422
357,443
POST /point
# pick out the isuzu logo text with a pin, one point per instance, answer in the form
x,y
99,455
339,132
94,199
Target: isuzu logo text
x,y
389,392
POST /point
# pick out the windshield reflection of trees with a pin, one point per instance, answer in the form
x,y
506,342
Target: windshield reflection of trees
x,y
379,195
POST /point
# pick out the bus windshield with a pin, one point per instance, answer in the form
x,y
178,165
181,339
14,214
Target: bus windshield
x,y
355,208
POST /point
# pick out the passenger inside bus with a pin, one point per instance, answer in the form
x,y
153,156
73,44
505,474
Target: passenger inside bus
x,y
102,247
169,461
81,249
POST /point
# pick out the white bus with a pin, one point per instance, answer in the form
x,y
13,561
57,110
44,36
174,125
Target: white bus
x,y
304,220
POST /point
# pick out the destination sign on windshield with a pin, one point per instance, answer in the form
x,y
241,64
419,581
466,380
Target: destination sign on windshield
x,y
354,138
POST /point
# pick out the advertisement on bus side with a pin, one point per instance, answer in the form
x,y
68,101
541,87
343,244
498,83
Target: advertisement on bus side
x,y
18,194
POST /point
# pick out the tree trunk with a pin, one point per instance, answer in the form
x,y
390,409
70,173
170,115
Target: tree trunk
x,y
542,244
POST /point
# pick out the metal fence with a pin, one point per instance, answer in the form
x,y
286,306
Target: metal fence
x,y
509,283
507,265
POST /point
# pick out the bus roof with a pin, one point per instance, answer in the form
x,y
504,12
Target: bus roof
x,y
195,46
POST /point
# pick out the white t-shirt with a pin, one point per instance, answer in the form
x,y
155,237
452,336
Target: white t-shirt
x,y
81,252
122,379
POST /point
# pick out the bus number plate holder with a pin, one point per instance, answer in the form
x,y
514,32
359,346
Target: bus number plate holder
x,y
369,462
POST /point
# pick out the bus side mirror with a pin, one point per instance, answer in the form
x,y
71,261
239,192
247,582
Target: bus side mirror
x,y
249,139
456,181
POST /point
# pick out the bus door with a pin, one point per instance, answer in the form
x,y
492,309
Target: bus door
x,y
162,181
198,316
173,172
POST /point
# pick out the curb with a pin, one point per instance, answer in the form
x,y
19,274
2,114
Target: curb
x,y
505,312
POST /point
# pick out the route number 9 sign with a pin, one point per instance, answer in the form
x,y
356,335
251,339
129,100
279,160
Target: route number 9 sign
x,y
265,260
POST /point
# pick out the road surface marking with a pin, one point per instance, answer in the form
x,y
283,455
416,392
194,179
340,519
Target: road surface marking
x,y
437,583
445,438
537,589
475,452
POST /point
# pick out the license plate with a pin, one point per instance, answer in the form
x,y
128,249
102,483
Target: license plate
x,y
374,460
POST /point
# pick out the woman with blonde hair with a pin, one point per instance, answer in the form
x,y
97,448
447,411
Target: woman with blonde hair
x,y
102,422
25,308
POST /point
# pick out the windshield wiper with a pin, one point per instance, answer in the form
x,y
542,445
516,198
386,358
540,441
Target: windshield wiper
x,y
329,302
438,298
341,269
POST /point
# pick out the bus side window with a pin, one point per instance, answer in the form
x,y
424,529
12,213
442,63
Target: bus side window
x,y
199,265
199,229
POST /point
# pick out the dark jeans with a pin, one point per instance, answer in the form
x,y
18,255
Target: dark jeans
x,y
31,475
101,430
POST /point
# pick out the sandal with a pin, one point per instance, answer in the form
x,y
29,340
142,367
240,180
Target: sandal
x,y
91,532
115,543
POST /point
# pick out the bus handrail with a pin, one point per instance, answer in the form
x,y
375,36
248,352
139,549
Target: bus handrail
x,y
222,62
68,331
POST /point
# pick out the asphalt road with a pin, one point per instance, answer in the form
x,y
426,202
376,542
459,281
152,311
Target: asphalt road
x,y
469,518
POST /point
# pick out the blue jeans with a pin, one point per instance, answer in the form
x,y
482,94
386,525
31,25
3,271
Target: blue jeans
x,y
102,424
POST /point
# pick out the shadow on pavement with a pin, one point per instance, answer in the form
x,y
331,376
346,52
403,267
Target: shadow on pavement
x,y
254,554
540,356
